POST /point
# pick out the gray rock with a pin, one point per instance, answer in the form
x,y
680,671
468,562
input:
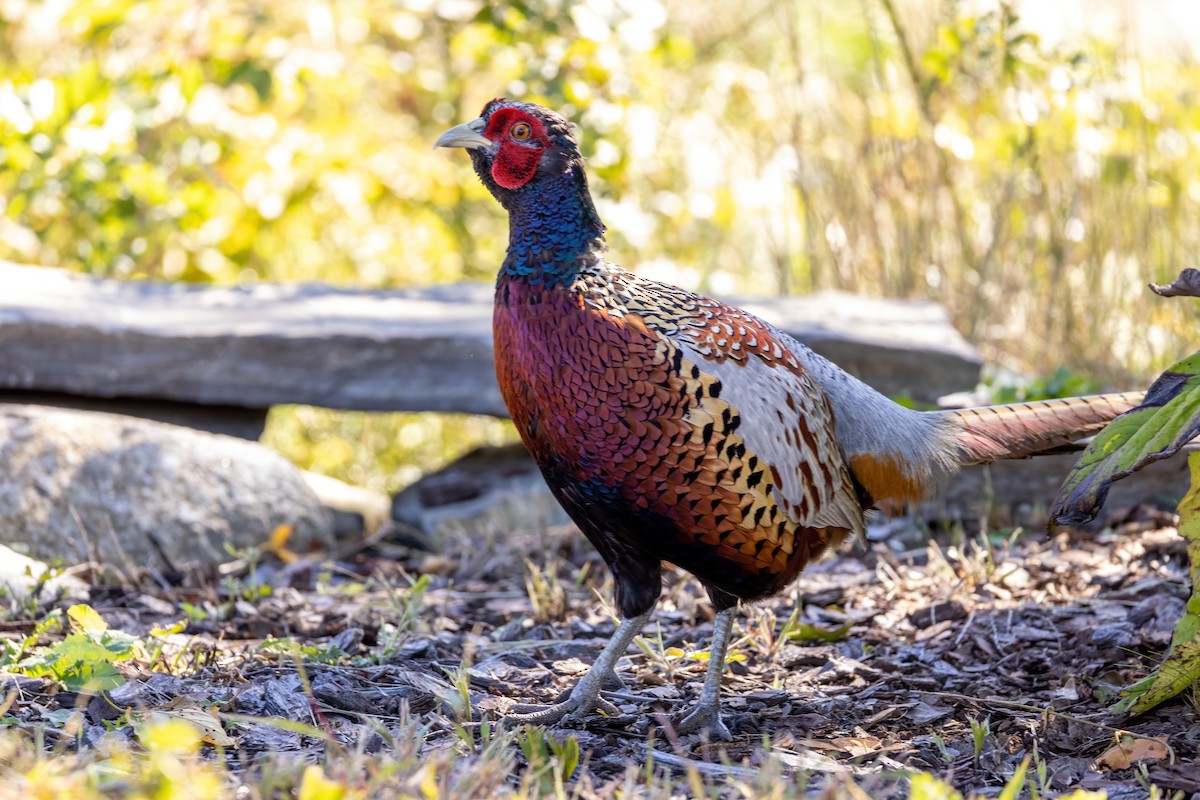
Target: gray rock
x,y
21,578
246,423
488,489
1021,492
418,350
78,486
255,347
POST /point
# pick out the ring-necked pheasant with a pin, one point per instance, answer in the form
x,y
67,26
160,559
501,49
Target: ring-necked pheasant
x,y
673,427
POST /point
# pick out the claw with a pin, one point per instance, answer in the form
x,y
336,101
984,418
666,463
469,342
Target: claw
x,y
575,708
705,719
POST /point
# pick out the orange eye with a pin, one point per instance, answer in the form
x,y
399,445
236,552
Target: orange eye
x,y
520,131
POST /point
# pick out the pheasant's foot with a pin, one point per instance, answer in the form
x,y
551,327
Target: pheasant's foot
x,y
705,719
574,708
585,697
706,716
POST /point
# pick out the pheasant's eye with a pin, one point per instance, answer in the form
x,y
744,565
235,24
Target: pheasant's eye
x,y
520,131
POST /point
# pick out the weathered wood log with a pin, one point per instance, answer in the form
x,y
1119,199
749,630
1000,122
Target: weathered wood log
x,y
415,350
245,423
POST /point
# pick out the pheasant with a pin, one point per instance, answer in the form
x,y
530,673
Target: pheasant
x,y
676,428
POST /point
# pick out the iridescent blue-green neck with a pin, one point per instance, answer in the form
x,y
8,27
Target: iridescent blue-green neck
x,y
552,225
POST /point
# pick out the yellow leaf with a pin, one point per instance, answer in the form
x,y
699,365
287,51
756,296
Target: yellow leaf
x,y
315,786
927,787
85,618
160,733
202,723
426,782
1127,753
1012,789
277,543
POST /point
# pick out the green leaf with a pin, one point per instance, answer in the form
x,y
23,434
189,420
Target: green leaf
x,y
1168,418
83,661
567,752
1181,668
10,653
79,662
803,632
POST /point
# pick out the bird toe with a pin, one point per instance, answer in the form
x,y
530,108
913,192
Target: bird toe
x,y
705,720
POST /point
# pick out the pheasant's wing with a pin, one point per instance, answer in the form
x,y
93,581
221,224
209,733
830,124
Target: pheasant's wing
x,y
782,421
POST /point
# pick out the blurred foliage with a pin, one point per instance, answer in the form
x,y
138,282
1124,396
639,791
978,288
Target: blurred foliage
x,y
1008,388
922,148
384,452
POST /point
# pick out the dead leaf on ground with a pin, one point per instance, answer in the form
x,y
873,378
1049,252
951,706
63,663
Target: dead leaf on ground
x,y
190,711
857,745
1129,752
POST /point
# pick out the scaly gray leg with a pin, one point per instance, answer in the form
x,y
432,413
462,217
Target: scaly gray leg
x,y
585,698
706,716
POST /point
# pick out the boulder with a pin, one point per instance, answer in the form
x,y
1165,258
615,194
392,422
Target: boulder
x,y
78,486
1021,492
488,489
23,578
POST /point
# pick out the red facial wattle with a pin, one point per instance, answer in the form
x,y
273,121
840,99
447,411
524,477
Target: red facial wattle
x,y
516,160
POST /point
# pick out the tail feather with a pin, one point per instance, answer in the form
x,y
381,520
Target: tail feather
x,y
991,433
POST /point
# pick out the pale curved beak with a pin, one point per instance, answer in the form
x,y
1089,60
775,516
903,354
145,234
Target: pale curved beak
x,y
466,135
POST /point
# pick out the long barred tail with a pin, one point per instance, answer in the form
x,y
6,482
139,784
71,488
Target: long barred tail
x,y
991,433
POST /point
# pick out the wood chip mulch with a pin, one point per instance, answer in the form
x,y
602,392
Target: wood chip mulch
x,y
948,656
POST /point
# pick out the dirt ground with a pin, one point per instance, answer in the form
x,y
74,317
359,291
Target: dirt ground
x,y
959,658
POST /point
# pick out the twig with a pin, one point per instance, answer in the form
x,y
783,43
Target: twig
x,y
703,767
966,627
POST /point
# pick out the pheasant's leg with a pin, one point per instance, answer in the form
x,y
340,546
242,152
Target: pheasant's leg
x,y
585,697
706,716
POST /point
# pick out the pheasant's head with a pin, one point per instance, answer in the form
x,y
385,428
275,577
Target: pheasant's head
x,y
516,146
528,159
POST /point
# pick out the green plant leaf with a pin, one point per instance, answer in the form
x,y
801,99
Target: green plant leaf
x,y
1181,668
803,632
1166,420
79,662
